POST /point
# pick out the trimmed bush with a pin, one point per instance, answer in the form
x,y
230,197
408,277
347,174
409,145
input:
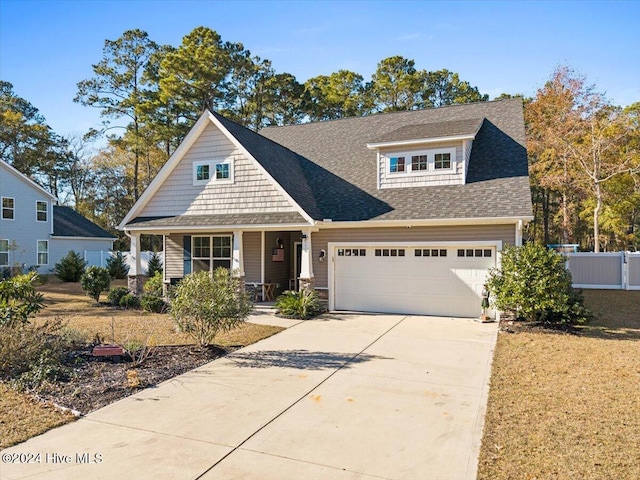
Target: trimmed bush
x,y
152,303
204,305
116,294
153,286
303,304
533,283
130,301
19,300
118,268
71,267
155,265
94,281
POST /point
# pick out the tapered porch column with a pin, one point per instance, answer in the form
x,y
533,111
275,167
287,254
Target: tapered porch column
x,y
237,260
135,280
306,263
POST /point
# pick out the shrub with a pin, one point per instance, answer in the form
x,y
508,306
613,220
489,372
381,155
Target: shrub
x,y
155,264
533,282
152,303
303,304
130,301
204,305
115,294
71,267
153,286
30,354
117,266
19,300
94,281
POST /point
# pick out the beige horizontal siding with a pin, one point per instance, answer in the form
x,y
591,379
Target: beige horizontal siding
x,y
251,242
174,257
320,240
250,192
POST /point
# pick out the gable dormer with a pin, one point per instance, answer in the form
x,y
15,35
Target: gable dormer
x,y
426,154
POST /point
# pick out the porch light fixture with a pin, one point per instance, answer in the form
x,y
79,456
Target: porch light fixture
x,y
304,236
321,256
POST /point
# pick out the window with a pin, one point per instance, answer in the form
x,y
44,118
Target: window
x,y
442,161
4,253
205,172
396,165
202,173
352,252
209,253
43,252
222,171
418,162
8,208
430,252
478,252
41,211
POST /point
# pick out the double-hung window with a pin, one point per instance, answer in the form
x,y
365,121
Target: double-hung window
x,y
4,253
43,252
211,252
41,211
8,208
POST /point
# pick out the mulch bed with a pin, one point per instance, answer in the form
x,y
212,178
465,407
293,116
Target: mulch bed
x,y
95,382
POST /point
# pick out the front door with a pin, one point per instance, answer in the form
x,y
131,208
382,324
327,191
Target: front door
x,y
297,264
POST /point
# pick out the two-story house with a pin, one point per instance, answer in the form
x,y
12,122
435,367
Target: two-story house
x,y
401,212
34,231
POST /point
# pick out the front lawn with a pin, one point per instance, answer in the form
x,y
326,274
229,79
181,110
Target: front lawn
x,y
567,406
94,383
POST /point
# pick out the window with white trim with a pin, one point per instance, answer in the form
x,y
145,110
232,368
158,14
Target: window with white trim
x,y
210,252
41,211
8,208
4,253
432,161
213,171
43,252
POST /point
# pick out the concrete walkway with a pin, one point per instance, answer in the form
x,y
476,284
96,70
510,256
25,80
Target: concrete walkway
x,y
342,397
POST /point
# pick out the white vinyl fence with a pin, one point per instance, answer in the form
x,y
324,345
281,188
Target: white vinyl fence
x,y
617,271
99,258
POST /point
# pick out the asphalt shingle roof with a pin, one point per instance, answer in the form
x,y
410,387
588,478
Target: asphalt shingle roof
x,y
340,170
69,223
221,220
423,131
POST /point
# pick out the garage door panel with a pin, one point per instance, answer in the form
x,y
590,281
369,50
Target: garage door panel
x,y
425,285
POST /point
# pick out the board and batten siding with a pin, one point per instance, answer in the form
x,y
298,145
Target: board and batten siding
x,y
321,239
415,179
250,192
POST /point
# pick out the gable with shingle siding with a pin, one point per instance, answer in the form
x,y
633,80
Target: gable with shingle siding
x,y
250,192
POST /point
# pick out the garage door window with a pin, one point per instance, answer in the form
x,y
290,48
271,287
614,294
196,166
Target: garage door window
x,y
352,252
390,252
430,252
477,252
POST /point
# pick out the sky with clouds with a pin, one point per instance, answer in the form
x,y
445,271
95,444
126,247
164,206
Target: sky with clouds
x,y
48,46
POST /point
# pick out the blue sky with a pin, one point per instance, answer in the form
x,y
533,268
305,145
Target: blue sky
x,y
47,46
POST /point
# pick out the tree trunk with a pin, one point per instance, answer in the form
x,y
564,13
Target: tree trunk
x,y
596,217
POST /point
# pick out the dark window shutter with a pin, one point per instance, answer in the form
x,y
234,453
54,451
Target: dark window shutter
x,y
186,249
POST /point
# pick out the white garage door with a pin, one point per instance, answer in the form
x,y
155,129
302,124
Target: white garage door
x,y
433,280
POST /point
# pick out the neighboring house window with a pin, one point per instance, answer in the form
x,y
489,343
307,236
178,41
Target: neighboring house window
x,y
218,171
8,208
209,253
396,165
418,162
442,161
4,253
43,252
41,211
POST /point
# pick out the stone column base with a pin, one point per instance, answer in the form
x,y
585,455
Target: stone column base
x,y
135,283
307,284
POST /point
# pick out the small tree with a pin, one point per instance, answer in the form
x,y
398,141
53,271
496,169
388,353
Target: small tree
x,y
94,281
71,267
19,300
117,266
205,304
533,282
155,264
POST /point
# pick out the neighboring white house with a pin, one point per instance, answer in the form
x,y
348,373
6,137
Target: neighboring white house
x,y
34,231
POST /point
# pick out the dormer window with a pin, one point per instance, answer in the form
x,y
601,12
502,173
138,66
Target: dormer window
x,y
442,161
418,162
396,165
213,171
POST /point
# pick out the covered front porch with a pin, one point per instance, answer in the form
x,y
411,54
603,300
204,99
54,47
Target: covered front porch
x,y
268,260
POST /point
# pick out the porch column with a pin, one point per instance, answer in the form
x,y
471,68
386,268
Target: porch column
x,y
237,261
519,228
306,263
135,280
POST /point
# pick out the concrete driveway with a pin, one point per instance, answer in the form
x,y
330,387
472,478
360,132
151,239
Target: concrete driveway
x,y
342,397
